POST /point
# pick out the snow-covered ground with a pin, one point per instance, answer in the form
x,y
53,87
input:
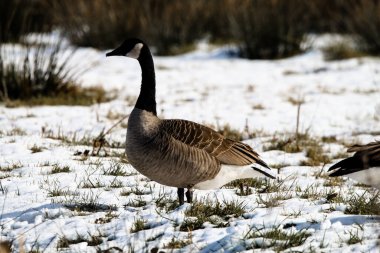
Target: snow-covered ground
x,y
100,202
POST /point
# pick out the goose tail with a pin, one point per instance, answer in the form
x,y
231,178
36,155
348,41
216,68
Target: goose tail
x,y
346,166
262,168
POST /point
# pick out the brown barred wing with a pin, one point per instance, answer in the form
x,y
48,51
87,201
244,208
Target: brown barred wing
x,y
227,151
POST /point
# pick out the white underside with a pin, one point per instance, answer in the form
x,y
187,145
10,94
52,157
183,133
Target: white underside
x,y
230,173
370,176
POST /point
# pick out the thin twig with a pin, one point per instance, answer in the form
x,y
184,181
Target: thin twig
x,y
298,122
100,140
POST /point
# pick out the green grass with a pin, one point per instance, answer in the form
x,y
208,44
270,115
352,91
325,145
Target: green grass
x,y
73,139
83,202
204,211
65,242
315,155
310,145
271,186
109,216
367,203
60,169
138,225
244,186
310,192
332,196
228,132
288,145
42,74
191,224
222,209
76,96
137,202
354,237
139,191
177,244
88,183
10,167
333,181
279,238
166,203
36,149
114,169
5,175
57,192
115,184
16,132
273,199
340,51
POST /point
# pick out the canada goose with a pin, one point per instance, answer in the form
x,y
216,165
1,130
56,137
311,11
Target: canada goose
x,y
363,166
180,153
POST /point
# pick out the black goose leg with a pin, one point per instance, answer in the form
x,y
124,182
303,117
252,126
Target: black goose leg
x,y
181,196
189,196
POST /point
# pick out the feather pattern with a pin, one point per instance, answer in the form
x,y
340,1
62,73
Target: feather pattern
x,y
227,151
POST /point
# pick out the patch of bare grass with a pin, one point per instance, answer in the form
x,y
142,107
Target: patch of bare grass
x,y
334,181
83,202
367,203
244,186
177,244
91,240
278,238
138,225
41,74
207,211
10,167
137,202
230,133
16,131
114,169
312,146
340,51
108,217
36,149
60,169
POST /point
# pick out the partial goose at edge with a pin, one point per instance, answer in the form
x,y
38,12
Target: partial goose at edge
x,y
363,166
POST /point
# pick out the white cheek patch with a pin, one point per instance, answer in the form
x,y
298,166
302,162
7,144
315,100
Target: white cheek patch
x,y
135,52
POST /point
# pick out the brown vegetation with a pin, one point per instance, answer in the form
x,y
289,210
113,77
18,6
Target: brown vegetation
x,y
261,28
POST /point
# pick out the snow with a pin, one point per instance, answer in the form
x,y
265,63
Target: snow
x,y
208,86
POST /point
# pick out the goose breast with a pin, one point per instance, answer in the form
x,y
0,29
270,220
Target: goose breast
x,y
162,158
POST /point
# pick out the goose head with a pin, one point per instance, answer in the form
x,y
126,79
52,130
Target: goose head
x,y
129,48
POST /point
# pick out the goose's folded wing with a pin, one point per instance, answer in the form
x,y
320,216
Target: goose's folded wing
x,y
365,156
371,150
227,151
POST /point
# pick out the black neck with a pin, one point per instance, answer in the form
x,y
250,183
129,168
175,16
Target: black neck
x,y
147,98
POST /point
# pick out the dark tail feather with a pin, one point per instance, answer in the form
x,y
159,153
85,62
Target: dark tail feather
x,y
262,163
252,155
347,166
265,173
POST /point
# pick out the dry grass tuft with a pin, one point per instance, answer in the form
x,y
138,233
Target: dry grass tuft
x,y
213,212
340,51
365,204
279,238
43,74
